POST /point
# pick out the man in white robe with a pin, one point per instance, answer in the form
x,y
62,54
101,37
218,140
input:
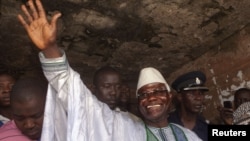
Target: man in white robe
x,y
73,113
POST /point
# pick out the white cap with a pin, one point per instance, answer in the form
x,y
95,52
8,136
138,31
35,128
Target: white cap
x,y
150,75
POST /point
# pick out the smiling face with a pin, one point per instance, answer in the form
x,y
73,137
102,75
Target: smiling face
x,y
154,102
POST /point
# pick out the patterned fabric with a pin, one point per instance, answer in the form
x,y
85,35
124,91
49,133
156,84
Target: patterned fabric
x,y
172,132
150,135
241,115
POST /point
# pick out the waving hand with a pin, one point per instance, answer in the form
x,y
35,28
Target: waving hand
x,y
41,32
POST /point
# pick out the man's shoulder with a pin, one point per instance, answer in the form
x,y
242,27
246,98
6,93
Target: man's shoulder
x,y
188,133
4,119
10,132
131,116
10,125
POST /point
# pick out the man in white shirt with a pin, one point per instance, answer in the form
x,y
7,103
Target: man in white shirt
x,y
72,113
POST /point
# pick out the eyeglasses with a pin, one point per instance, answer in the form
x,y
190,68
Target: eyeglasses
x,y
153,93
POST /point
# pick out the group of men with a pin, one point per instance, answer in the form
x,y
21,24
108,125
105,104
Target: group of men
x,y
66,110
21,107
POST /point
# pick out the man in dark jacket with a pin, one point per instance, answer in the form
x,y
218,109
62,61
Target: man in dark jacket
x,y
190,88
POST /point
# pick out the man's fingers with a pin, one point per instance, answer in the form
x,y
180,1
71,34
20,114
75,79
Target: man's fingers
x,y
40,9
23,22
26,12
55,18
33,9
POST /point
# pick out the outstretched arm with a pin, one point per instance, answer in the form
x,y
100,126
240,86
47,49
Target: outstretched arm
x,y
41,32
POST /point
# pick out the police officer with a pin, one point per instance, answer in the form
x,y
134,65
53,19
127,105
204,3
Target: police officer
x,y
190,88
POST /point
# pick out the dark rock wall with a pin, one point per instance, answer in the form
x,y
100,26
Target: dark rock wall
x,y
227,68
173,36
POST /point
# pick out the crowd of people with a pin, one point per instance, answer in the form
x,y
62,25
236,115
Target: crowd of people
x,y
242,95
27,101
64,109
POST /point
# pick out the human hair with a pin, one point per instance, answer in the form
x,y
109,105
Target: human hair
x,y
240,96
26,88
101,71
241,90
12,74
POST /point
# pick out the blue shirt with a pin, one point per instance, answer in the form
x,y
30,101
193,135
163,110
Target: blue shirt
x,y
1,123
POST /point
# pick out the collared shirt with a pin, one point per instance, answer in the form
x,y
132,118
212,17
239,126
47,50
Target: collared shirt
x,y
3,120
73,113
200,128
9,132
162,133
173,132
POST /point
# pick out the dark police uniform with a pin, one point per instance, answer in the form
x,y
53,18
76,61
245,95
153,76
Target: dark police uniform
x,y
191,81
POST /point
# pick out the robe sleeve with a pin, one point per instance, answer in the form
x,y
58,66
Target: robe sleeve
x,y
73,113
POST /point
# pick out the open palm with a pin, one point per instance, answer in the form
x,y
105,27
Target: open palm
x,y
41,32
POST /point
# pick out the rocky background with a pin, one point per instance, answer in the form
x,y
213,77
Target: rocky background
x,y
174,36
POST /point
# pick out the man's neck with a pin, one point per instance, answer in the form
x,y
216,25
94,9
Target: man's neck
x,y
160,123
188,119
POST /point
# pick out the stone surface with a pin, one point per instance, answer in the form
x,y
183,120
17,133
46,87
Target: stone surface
x,y
174,36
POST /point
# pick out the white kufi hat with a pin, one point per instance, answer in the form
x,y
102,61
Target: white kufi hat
x,y
150,75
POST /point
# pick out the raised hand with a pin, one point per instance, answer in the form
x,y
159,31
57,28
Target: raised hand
x,y
41,32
